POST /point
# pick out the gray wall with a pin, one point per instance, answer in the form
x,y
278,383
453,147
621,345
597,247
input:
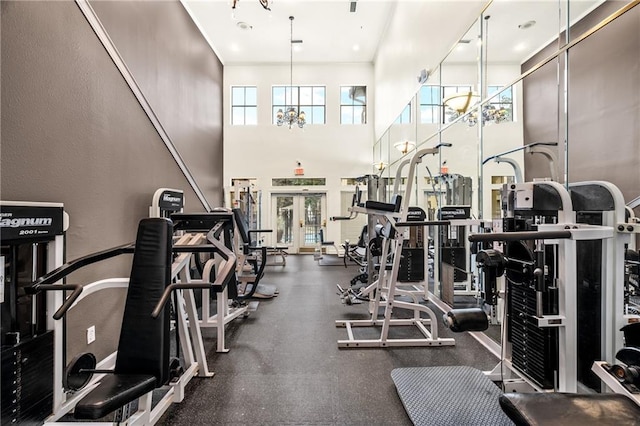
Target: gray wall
x,y
72,131
179,75
604,104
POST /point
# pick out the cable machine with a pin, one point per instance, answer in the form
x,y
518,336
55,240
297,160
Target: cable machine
x,y
32,244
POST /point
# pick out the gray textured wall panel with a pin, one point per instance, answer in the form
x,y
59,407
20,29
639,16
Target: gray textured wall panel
x,y
179,75
604,103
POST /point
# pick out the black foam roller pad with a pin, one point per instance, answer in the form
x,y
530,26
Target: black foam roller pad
x,y
469,319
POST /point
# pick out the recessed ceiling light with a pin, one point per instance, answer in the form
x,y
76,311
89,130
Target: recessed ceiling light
x,y
234,47
356,47
526,25
243,25
519,47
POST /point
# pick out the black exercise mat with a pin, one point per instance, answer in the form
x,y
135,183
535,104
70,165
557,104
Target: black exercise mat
x,y
445,396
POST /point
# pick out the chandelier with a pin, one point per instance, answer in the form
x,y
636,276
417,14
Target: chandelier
x,y
291,117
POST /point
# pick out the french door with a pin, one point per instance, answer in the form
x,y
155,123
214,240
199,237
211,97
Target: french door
x,y
298,219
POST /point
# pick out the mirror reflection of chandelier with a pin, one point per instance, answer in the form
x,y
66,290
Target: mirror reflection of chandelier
x,y
291,117
405,146
460,103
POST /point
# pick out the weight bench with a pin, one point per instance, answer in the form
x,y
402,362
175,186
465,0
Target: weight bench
x,y
143,359
568,409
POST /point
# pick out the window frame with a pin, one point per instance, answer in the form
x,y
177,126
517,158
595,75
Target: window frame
x,y
498,101
434,108
292,93
244,106
353,105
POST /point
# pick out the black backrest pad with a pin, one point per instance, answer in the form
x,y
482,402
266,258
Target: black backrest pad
x,y
243,226
144,341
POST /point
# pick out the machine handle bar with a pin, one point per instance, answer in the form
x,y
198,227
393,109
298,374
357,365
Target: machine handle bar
x,y
518,236
225,274
77,289
340,218
424,223
69,267
520,148
176,286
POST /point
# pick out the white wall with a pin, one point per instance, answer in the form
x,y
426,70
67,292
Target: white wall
x,y
414,41
265,151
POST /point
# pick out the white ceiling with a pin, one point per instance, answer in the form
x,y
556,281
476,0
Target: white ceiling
x,y
507,42
330,31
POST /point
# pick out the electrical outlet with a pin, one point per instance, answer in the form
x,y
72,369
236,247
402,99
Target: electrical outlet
x,y
91,334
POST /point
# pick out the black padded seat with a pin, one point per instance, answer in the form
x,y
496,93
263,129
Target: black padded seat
x,y
245,234
322,241
394,206
114,391
569,409
143,358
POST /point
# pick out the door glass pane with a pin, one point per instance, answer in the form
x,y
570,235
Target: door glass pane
x,y
284,231
312,217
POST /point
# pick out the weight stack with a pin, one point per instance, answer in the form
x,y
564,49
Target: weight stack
x,y
534,349
411,265
27,381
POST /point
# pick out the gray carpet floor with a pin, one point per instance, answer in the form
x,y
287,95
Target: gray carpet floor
x,y
285,368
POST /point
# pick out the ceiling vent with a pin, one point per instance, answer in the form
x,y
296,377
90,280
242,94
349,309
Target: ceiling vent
x,y
352,6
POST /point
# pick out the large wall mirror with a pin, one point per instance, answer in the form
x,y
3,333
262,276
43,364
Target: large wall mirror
x,y
532,90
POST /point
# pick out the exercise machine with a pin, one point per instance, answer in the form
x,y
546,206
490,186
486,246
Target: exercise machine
x,y
393,218
253,257
248,201
32,244
169,203
545,227
142,363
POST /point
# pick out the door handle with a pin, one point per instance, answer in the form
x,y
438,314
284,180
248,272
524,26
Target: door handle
x,y
301,224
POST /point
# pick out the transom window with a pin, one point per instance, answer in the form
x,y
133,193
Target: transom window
x,y
353,105
244,105
298,181
310,99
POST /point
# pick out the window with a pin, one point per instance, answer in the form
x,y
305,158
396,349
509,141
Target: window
x,y
310,99
244,105
503,101
353,105
430,104
448,114
298,181
405,116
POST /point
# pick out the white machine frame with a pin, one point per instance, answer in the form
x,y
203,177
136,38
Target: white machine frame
x,y
387,286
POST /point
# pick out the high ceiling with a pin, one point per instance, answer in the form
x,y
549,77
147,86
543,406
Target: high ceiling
x,y
328,29
331,32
